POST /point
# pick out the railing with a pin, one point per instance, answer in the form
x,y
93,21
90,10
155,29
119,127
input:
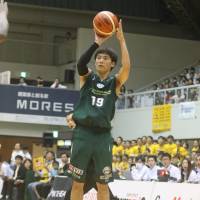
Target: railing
x,y
159,97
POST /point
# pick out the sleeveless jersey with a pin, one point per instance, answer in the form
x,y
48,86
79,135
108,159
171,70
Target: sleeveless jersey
x,y
96,106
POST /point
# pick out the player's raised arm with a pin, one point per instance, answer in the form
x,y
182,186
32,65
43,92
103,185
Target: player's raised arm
x,y
3,21
124,71
82,67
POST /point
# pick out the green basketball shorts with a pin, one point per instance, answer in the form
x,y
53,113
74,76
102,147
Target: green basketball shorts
x,y
90,145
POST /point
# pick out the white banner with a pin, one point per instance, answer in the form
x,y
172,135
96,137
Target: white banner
x,y
134,190
187,110
176,191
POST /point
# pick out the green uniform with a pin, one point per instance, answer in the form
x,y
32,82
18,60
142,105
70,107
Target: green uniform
x,y
92,138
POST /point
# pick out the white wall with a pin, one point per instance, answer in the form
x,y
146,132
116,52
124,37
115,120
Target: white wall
x,y
133,123
47,72
19,129
152,57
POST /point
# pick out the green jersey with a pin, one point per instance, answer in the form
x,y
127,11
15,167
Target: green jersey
x,y
96,106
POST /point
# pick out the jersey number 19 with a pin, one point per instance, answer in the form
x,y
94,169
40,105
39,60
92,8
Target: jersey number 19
x,y
97,101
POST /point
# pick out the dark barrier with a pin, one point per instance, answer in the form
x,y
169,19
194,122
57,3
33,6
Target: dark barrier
x,y
36,105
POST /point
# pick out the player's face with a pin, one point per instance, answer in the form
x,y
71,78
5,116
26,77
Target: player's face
x,y
103,63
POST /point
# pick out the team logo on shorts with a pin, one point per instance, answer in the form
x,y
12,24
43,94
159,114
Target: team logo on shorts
x,y
107,170
100,85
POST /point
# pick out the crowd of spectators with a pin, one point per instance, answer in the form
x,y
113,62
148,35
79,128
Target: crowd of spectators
x,y
165,92
164,159
39,82
21,180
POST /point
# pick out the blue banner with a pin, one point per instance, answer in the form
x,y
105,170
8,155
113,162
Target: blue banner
x,y
28,100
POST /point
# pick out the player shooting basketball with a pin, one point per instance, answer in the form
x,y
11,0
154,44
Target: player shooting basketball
x,y
3,21
92,116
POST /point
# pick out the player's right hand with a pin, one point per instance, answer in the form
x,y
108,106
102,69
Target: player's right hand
x,y
70,122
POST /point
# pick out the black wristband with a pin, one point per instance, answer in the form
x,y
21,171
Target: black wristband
x,y
85,58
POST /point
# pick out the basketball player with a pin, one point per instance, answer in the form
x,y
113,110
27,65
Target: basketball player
x,y
3,21
92,116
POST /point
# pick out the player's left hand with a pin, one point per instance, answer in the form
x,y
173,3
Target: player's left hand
x,y
70,122
119,32
100,40
3,8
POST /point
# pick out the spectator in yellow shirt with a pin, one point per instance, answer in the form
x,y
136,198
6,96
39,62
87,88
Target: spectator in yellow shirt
x,y
170,146
195,146
162,144
144,140
115,163
118,148
134,149
127,148
141,147
150,147
181,151
124,165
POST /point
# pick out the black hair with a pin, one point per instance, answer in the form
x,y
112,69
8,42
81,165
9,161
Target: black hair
x,y
64,153
18,157
140,157
109,52
166,155
152,156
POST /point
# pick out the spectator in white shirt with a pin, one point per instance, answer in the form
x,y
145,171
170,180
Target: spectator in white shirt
x,y
26,153
174,172
152,172
17,151
57,84
140,170
188,175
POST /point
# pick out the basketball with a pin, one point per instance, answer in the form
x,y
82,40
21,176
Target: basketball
x,y
105,23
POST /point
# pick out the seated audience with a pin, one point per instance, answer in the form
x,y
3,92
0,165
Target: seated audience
x,y
57,84
174,172
22,81
188,175
140,170
152,172
17,151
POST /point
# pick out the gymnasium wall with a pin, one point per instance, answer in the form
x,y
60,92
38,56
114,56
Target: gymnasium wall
x,y
152,57
134,123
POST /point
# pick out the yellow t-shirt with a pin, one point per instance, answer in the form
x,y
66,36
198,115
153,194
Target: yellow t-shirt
x,y
162,148
143,149
183,152
195,149
44,175
117,150
134,151
171,149
123,165
151,149
126,151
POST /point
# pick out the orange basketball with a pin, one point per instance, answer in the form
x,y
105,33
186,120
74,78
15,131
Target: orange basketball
x,y
105,23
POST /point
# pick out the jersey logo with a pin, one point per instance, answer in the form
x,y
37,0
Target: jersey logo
x,y
100,85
